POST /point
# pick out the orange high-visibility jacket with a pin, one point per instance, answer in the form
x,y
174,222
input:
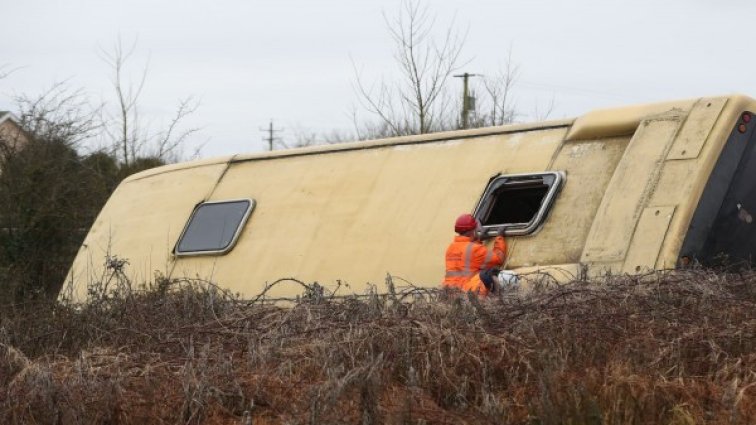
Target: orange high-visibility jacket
x,y
465,258
475,285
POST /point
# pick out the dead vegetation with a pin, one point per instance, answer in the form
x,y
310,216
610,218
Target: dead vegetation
x,y
662,348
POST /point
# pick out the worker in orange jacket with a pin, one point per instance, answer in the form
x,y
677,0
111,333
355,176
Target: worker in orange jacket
x,y
468,261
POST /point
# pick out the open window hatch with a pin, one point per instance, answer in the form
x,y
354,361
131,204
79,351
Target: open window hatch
x,y
518,202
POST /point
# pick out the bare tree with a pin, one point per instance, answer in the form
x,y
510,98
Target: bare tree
x,y
542,113
124,127
500,102
49,193
129,136
418,102
419,99
170,140
304,137
60,113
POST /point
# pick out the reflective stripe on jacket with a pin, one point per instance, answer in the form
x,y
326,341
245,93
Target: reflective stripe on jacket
x,y
465,258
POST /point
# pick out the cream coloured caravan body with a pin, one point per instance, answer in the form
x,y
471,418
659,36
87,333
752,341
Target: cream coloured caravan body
x,y
639,190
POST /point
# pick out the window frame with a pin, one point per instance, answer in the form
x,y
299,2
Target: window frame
x,y
519,229
250,208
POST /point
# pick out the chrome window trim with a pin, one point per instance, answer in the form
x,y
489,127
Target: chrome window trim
x,y
522,229
250,207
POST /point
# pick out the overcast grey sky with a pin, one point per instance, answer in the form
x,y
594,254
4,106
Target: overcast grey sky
x,y
291,60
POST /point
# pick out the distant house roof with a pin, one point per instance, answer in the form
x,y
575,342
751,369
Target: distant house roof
x,y
11,130
7,115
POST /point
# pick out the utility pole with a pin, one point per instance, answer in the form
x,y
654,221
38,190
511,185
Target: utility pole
x,y
468,102
270,138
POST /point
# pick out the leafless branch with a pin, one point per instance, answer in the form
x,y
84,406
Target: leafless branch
x,y
499,90
542,113
127,139
60,113
416,101
172,138
130,137
6,70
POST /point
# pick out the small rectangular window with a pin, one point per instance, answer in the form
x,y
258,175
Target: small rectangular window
x,y
519,202
214,227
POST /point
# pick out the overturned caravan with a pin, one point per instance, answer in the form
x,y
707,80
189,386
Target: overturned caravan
x,y
621,190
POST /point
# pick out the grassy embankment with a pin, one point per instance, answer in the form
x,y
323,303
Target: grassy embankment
x,y
669,348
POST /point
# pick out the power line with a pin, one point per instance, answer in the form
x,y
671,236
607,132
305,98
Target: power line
x,y
563,89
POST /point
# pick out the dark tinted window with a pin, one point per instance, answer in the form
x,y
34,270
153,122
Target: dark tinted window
x,y
214,226
515,204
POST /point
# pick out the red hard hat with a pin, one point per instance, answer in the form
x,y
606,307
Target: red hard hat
x,y
465,223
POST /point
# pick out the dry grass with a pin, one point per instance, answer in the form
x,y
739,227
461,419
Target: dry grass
x,y
665,348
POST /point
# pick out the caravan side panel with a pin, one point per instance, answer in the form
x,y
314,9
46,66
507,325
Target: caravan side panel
x,y
356,215
140,224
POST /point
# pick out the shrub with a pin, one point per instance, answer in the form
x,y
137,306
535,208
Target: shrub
x,y
662,348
